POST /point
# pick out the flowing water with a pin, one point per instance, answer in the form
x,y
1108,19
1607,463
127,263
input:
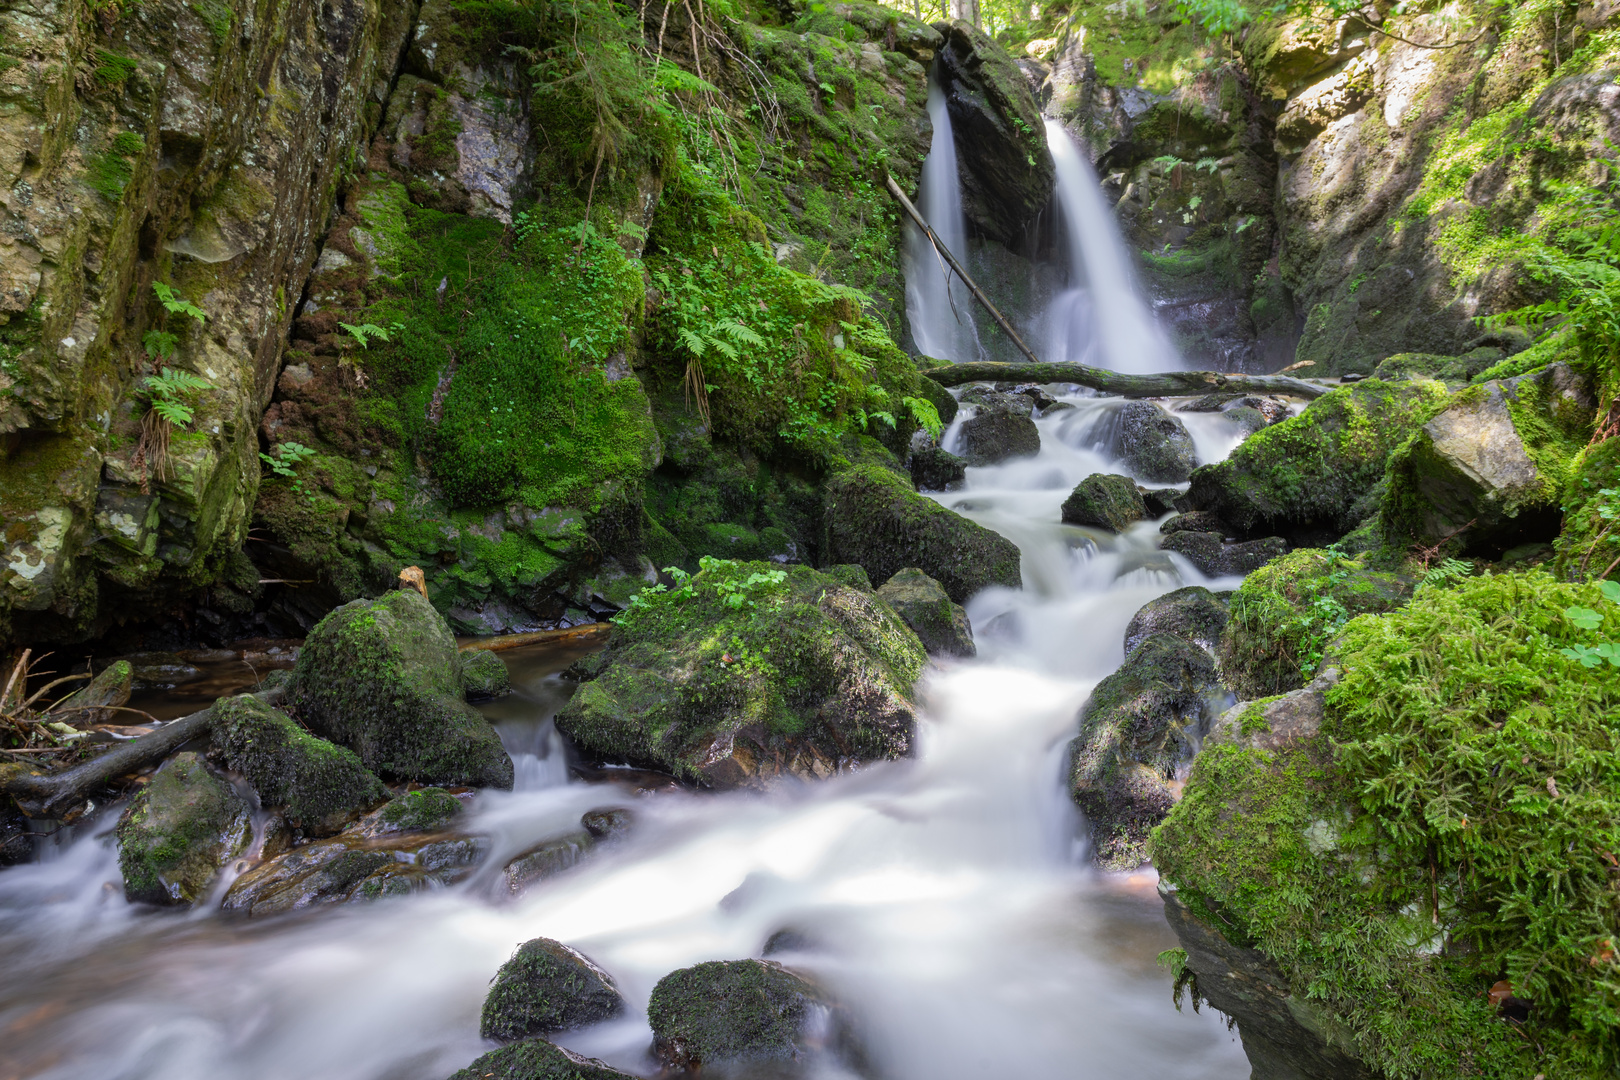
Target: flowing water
x,y
938,306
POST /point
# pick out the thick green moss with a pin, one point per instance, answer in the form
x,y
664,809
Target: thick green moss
x,y
547,987
1285,614
421,810
1452,824
320,786
536,1059
1105,501
483,675
729,1010
178,831
383,678
748,670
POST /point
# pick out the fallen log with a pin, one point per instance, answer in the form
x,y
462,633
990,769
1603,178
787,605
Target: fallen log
x,y
1162,384
53,795
502,642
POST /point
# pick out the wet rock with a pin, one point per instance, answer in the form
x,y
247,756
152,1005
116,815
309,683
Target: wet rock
x,y
547,987
803,675
178,831
608,823
729,1010
536,1059
1193,614
422,810
921,602
1159,501
1140,727
996,433
1213,557
1037,394
96,702
383,678
1105,501
1154,444
873,518
483,675
1247,419
934,469
1277,723
1195,521
318,786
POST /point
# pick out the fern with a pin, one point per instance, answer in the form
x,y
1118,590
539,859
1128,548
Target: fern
x,y
366,332
175,304
1447,573
923,411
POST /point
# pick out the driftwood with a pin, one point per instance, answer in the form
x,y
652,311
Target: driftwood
x,y
53,795
502,642
1163,384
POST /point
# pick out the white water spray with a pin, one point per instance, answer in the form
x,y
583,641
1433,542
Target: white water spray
x,y
939,306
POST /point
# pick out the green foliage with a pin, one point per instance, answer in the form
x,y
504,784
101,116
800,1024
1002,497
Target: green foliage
x,y
160,344
172,393
367,332
113,70
1446,573
1587,619
284,457
175,304
734,592
110,172
216,16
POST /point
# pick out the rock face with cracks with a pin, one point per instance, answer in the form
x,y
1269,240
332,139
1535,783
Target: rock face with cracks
x,y
922,603
547,987
872,518
383,678
178,831
728,1011
748,673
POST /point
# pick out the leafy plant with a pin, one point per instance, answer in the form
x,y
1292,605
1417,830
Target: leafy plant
x,y
172,393
923,411
160,344
1587,619
175,304
1447,573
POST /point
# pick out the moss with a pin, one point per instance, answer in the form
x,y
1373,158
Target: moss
x,y
786,660
547,987
113,70
875,519
320,786
1285,614
1104,501
536,1059
1588,546
726,1010
421,810
483,675
110,171
181,827
383,677
1448,828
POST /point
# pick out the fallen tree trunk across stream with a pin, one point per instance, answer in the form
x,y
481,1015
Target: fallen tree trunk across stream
x,y
53,795
1162,384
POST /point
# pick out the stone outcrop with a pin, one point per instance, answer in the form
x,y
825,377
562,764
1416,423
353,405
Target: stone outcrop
x,y
922,604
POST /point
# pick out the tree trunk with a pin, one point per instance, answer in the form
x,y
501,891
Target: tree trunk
x,y
1163,384
53,795
966,10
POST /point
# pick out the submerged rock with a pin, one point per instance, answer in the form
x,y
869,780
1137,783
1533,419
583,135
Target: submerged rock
x,y
748,673
547,987
1141,725
483,675
922,603
1154,444
1193,614
383,678
873,518
934,469
1215,558
729,1010
318,786
1104,501
1195,521
999,431
416,811
546,860
179,830
537,1059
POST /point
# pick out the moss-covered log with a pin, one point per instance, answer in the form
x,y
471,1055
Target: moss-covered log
x,y
1162,384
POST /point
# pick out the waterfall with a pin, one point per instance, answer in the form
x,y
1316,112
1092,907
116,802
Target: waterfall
x,y
931,290
1100,318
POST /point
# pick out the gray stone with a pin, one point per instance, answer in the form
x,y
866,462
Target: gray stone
x,y
922,604
547,987
996,433
1195,521
1192,614
537,1059
730,1010
934,469
1104,501
1154,444
179,830
1215,558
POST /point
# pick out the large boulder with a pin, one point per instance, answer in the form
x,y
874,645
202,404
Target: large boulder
x,y
547,987
998,431
730,1011
483,675
1491,469
1214,557
922,603
749,672
178,831
1155,445
383,678
1141,726
1104,501
1313,477
536,1059
1007,170
318,786
872,518
934,469
1193,614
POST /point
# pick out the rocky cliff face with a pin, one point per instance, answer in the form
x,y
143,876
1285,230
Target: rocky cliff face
x,y
195,147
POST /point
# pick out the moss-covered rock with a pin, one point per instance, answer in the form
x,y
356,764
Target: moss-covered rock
x,y
178,831
1312,478
95,702
547,987
1286,612
1453,805
1214,557
421,810
483,675
1155,445
383,678
749,672
1192,614
873,518
1105,501
1141,726
996,432
729,1010
935,469
921,602
318,786
1196,521
536,1059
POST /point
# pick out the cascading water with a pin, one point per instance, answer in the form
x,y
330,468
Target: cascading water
x,y
1100,318
938,305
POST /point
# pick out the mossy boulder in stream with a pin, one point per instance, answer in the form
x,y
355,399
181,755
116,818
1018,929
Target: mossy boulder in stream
x,y
921,602
748,672
1155,445
874,519
547,987
178,831
1104,501
1437,819
319,786
1000,430
383,678
483,675
729,1010
1192,614
536,1059
1313,477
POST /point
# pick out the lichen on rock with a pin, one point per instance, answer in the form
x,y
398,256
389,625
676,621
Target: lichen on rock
x,y
178,831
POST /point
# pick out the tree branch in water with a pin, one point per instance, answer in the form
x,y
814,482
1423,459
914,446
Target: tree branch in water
x,y
1163,384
